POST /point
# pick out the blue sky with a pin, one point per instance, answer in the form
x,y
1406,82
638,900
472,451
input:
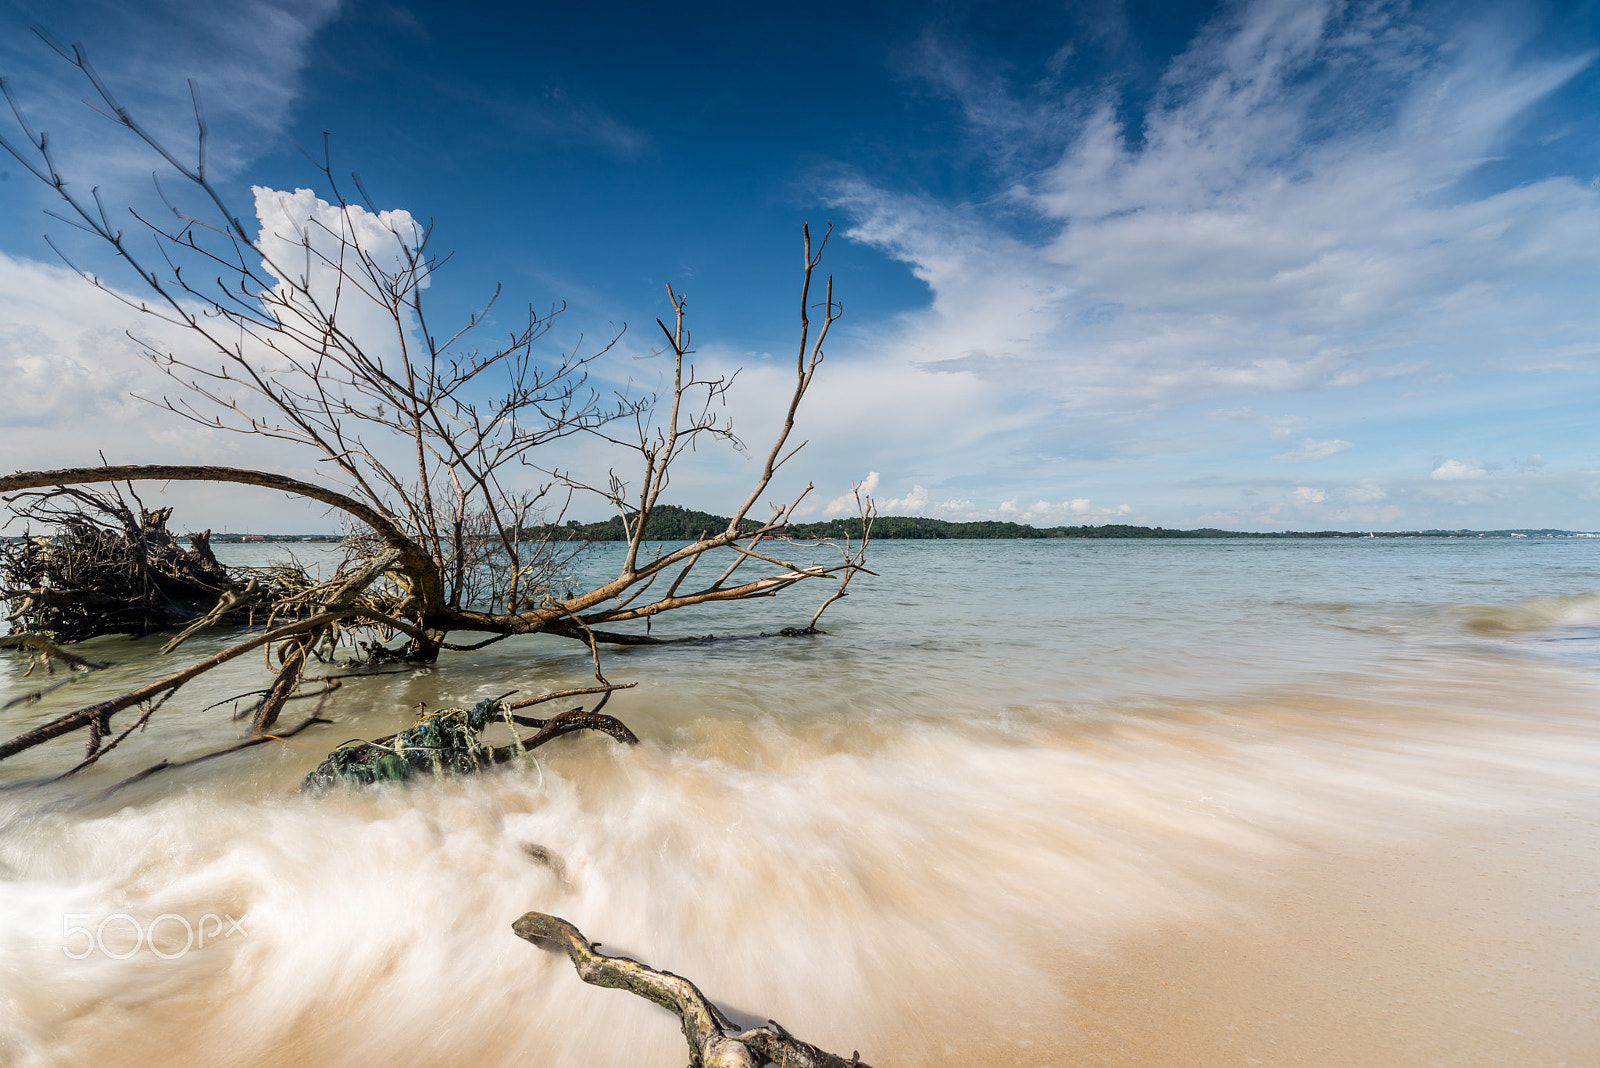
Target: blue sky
x,y
1259,265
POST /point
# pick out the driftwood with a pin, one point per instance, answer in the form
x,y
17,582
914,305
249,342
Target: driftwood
x,y
712,1040
41,648
97,717
168,765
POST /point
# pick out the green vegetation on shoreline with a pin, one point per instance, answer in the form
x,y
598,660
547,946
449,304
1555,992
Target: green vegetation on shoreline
x,y
670,523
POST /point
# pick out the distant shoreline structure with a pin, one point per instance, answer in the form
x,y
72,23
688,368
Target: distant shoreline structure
x,y
671,523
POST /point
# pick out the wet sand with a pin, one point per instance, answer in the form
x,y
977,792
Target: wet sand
x,y
1481,949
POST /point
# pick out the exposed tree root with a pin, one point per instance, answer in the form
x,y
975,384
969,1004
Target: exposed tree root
x,y
705,1028
112,570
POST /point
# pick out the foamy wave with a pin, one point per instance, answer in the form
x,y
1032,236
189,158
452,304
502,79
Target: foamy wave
x,y
1530,616
866,895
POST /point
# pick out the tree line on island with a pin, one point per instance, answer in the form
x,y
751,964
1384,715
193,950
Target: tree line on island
x,y
672,523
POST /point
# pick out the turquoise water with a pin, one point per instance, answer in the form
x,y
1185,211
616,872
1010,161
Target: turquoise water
x,y
905,836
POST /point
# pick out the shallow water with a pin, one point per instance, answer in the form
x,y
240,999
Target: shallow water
x,y
1016,791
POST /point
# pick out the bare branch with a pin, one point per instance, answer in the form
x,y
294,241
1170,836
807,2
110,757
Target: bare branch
x,y
705,1027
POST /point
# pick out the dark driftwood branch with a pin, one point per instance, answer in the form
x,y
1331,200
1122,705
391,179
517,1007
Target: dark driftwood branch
x,y
43,646
288,680
99,748
574,719
229,600
103,711
705,1028
556,695
260,739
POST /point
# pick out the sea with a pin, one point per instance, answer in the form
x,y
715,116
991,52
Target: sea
x,y
1178,803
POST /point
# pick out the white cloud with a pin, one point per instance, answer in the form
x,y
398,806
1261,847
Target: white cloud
x,y
913,503
918,502
290,223
1451,470
65,354
1308,495
1047,513
1314,450
1365,491
847,503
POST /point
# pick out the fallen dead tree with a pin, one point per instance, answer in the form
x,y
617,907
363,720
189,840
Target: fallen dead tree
x,y
714,1041
427,443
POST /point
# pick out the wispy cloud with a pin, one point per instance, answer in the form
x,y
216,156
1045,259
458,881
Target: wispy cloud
x,y
1311,449
247,58
1290,215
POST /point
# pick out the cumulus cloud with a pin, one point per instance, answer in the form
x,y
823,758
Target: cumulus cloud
x,y
1308,495
918,502
1451,470
1076,510
845,503
302,237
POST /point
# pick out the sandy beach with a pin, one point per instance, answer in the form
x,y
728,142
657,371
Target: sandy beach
x,y
1481,950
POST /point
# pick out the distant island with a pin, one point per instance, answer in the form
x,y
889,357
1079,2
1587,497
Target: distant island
x,y
671,523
